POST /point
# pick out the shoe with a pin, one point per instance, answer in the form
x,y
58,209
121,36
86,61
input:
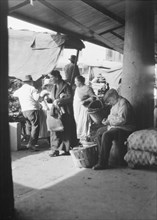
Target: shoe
x,y
54,154
28,146
34,148
66,153
98,167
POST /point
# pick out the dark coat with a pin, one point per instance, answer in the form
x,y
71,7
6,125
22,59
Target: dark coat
x,y
65,100
64,95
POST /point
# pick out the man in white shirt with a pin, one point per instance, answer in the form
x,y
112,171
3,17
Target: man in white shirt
x,y
118,126
28,98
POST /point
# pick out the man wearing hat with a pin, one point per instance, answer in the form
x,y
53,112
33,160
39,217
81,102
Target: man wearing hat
x,y
71,70
29,101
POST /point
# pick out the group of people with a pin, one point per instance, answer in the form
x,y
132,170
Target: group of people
x,y
70,105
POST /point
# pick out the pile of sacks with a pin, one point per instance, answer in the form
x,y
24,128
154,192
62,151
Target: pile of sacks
x,y
142,148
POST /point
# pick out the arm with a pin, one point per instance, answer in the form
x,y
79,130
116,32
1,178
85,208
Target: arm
x,y
90,96
120,118
16,93
35,94
67,98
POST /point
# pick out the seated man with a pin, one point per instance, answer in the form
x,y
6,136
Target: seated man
x,y
118,126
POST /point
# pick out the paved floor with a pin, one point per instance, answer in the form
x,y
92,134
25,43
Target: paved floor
x,y
54,189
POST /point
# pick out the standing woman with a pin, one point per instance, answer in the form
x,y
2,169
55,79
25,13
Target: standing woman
x,y
61,95
83,96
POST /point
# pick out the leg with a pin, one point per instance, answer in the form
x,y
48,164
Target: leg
x,y
34,119
28,125
99,136
69,133
32,126
55,141
106,144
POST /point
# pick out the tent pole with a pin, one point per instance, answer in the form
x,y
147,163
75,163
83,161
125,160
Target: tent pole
x,y
72,77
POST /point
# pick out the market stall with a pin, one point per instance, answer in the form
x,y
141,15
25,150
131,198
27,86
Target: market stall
x,y
35,54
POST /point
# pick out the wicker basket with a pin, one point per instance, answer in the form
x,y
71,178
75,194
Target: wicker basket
x,y
95,111
85,157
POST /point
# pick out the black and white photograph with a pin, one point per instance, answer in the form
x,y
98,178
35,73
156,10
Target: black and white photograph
x,y
78,115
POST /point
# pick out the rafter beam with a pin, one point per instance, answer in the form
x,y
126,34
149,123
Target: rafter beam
x,y
85,29
104,11
111,29
117,35
26,2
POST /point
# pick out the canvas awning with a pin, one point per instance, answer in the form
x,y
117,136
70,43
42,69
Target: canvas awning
x,y
36,53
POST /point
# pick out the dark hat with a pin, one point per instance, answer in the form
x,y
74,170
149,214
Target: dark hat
x,y
56,74
72,58
27,78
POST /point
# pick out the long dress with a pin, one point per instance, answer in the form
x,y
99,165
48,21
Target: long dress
x,y
82,119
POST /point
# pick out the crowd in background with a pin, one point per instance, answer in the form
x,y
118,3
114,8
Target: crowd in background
x,y
60,112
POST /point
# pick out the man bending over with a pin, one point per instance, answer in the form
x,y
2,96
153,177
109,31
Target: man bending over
x,y
117,127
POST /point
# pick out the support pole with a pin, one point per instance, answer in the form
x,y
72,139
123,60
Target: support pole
x,y
6,185
139,64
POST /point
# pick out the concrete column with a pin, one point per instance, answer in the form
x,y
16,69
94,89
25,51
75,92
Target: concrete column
x,y
138,64
6,185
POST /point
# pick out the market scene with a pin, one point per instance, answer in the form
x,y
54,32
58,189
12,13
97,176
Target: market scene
x,y
81,129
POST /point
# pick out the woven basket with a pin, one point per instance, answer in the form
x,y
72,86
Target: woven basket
x,y
95,111
85,157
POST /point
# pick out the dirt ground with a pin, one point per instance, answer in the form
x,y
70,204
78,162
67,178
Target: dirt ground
x,y
48,188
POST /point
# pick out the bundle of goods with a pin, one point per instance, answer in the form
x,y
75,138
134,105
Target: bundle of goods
x,y
85,155
142,148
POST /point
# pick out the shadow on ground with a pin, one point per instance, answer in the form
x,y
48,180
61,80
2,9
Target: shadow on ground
x,y
52,188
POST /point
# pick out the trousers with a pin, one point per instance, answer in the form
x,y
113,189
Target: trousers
x,y
105,140
32,125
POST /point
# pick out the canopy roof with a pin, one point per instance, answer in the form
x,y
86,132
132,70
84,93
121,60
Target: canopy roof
x,y
101,22
36,53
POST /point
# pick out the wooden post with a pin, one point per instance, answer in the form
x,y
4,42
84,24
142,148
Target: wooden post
x,y
6,185
139,64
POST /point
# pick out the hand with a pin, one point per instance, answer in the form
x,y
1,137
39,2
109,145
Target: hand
x,y
55,102
40,107
104,119
83,102
44,93
105,122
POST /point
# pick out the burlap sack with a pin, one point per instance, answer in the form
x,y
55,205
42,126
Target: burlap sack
x,y
142,158
144,140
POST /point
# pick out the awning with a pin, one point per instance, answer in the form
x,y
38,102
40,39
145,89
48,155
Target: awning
x,y
36,53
